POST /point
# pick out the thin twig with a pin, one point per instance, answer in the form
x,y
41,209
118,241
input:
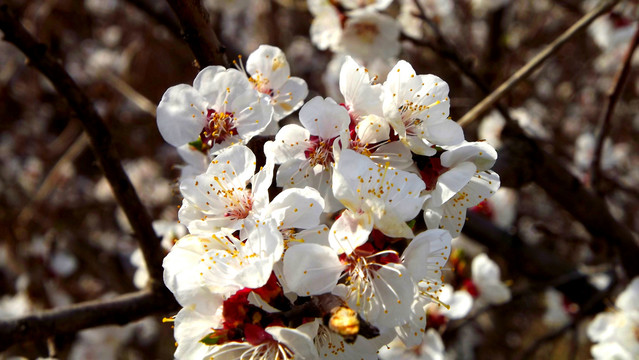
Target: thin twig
x,y
141,101
52,180
613,98
198,32
535,62
121,310
100,138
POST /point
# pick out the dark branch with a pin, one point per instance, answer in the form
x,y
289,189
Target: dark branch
x,y
120,311
153,10
615,93
198,32
100,139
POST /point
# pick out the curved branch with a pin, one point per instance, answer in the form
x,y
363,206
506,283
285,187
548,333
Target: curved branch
x,y
121,310
99,136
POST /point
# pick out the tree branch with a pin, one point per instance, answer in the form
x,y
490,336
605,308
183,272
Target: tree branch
x,y
99,136
121,310
535,62
165,18
198,33
615,93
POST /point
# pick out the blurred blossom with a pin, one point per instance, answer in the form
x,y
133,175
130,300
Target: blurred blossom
x,y
101,7
615,332
63,263
555,315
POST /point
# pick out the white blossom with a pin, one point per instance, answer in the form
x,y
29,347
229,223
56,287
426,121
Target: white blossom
x,y
270,74
460,178
307,153
220,109
417,107
375,196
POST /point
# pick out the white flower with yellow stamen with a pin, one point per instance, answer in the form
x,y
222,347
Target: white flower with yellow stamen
x,y
270,74
417,107
221,263
458,179
227,194
375,196
220,109
363,100
306,153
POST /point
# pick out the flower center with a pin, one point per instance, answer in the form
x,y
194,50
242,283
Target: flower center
x,y
320,152
431,171
366,32
219,127
261,84
241,204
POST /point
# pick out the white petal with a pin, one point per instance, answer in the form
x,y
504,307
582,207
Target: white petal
x,y
181,274
298,341
311,269
260,183
479,153
602,327
289,97
191,326
432,215
396,153
350,231
460,302
302,207
627,300
426,255
290,143
372,129
238,161
483,269
394,294
361,97
181,115
446,132
451,182
221,87
324,117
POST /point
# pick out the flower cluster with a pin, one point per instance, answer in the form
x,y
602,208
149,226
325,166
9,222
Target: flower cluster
x,y
333,260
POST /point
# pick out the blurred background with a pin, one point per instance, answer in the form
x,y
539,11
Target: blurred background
x,y
64,240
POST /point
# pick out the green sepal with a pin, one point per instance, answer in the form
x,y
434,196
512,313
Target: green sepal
x,y
197,144
411,224
211,339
